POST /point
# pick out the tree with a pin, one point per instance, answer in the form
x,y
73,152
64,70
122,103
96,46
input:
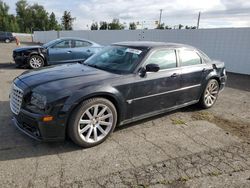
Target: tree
x,y
168,27
132,26
160,26
180,26
23,15
7,21
4,8
103,25
115,25
94,26
53,24
28,18
40,19
67,21
190,27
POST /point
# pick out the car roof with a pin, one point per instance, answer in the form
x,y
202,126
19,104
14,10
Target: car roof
x,y
76,38
151,44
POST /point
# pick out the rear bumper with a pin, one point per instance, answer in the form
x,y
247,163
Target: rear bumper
x,y
223,81
32,125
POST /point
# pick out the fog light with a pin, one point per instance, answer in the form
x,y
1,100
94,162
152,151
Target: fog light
x,y
47,118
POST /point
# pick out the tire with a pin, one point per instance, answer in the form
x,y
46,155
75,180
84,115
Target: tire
x,y
210,94
7,40
92,122
36,61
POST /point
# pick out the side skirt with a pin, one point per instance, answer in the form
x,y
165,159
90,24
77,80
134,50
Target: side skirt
x,y
144,116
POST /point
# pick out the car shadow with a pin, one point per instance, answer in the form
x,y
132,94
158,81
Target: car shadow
x,y
16,145
8,66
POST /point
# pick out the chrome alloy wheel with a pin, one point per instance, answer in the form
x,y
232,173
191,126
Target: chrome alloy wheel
x,y
211,93
95,123
36,62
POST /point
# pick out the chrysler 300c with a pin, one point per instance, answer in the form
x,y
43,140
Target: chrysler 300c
x,y
124,82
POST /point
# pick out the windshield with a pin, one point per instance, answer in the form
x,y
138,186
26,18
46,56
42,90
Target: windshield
x,y
50,43
118,59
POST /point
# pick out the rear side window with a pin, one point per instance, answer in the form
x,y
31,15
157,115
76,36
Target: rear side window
x,y
79,44
164,58
189,57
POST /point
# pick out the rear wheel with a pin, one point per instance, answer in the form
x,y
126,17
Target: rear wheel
x,y
36,62
210,94
92,122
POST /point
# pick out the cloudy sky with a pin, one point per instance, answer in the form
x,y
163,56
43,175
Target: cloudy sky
x,y
214,13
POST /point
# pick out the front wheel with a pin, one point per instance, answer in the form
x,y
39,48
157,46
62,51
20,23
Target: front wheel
x,y
7,40
210,94
92,122
36,62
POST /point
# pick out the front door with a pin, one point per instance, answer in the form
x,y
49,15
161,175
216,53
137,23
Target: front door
x,y
60,53
157,91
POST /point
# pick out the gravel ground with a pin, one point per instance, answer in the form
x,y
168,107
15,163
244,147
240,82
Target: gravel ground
x,y
189,147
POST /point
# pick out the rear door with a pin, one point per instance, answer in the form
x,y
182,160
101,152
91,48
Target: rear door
x,y
193,72
81,50
60,52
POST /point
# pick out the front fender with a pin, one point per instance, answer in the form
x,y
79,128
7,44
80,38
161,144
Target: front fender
x,y
37,53
96,91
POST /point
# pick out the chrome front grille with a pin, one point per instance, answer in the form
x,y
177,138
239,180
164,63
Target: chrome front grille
x,y
16,98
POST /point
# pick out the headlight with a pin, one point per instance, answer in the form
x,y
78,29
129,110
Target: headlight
x,y
38,100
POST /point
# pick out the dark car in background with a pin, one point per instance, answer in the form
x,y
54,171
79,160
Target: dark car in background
x,y
62,50
123,83
7,37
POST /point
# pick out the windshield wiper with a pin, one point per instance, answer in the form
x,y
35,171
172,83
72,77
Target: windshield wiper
x,y
95,66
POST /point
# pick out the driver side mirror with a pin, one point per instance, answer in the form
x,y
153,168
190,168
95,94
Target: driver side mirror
x,y
152,67
149,68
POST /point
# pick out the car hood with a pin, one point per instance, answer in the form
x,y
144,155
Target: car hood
x,y
64,76
26,48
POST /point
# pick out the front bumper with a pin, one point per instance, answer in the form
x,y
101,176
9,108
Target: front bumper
x,y
32,125
20,60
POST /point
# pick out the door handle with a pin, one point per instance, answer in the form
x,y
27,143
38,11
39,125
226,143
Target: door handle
x,y
69,52
174,75
88,51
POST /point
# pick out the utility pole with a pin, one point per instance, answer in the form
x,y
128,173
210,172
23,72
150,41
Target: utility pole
x,y
160,17
198,21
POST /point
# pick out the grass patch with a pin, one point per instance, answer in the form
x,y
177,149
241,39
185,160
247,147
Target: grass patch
x,y
214,173
203,115
183,179
178,121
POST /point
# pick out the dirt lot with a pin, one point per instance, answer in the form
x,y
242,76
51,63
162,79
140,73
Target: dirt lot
x,y
185,148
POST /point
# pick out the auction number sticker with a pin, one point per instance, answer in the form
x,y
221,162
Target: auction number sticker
x,y
134,51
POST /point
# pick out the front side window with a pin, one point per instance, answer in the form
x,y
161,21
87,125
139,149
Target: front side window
x,y
118,59
189,57
164,58
63,44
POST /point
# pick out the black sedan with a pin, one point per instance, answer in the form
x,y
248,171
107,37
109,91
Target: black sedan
x,y
63,50
123,83
7,37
